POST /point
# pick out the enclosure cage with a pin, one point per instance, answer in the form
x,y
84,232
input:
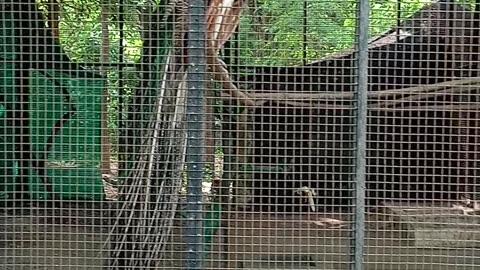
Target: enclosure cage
x,y
233,134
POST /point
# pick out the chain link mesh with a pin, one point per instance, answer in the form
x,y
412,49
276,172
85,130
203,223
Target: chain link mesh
x,y
235,134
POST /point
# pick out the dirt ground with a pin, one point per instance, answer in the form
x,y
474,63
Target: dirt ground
x,y
73,239
39,238
42,238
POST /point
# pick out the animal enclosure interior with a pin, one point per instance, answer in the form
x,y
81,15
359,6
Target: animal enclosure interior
x,y
421,127
235,134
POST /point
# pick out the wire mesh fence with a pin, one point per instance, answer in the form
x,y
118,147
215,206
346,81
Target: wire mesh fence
x,y
234,134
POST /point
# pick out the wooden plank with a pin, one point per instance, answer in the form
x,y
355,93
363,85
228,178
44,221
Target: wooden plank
x,y
438,226
447,238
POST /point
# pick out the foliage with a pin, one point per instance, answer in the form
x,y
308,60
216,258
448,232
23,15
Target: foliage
x,y
80,31
271,32
80,36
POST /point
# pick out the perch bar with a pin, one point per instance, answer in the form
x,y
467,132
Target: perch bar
x,y
417,93
377,94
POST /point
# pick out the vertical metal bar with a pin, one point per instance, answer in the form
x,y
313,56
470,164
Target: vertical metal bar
x,y
363,11
121,60
475,189
22,115
196,87
121,87
399,18
235,67
305,30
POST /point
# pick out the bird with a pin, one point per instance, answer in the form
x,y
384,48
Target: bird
x,y
309,194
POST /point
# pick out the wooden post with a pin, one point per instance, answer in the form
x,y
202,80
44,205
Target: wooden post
x,y
243,179
240,161
228,146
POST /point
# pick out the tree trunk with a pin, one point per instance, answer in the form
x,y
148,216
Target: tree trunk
x,y
54,17
104,59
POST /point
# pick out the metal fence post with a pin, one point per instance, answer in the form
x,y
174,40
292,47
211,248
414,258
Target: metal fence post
x,y
363,11
194,111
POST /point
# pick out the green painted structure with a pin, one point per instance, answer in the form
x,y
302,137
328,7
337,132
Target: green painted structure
x,y
64,111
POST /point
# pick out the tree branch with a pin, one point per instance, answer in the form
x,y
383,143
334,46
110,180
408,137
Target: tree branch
x,y
299,99
221,75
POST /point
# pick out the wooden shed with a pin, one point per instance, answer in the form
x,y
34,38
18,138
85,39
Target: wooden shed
x,y
423,115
